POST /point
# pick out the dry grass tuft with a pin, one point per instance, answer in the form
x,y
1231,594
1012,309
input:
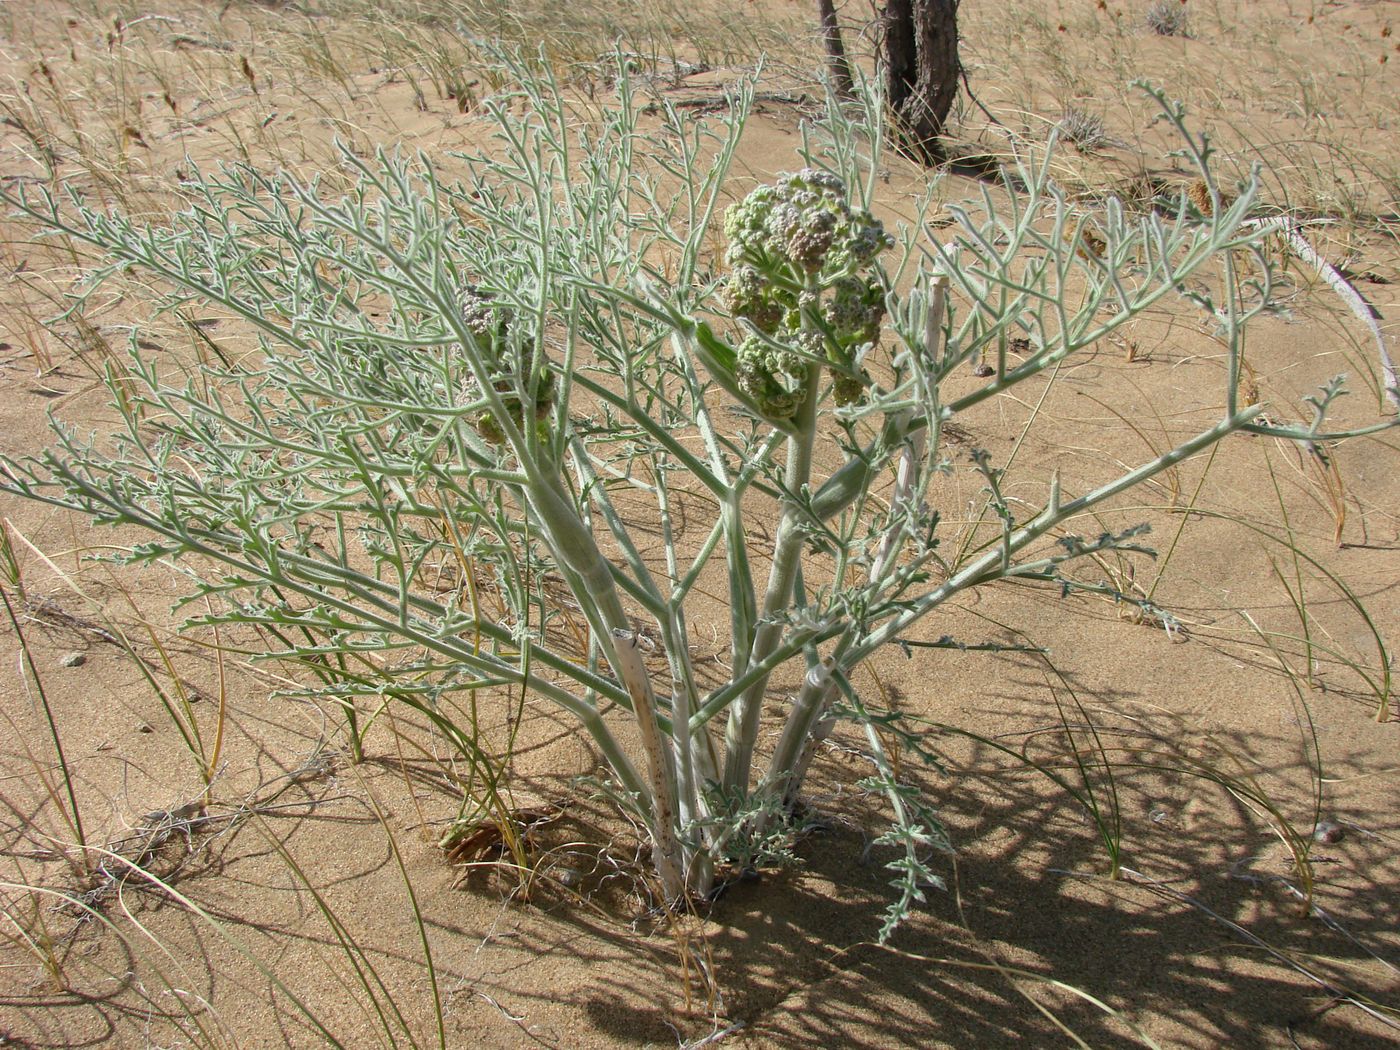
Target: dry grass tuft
x,y
1168,18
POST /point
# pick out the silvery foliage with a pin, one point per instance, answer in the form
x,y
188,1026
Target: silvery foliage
x,y
493,369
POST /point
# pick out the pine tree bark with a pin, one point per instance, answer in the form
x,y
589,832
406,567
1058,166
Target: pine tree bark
x,y
922,69
838,66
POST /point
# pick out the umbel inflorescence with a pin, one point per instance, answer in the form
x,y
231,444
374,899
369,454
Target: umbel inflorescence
x,y
800,257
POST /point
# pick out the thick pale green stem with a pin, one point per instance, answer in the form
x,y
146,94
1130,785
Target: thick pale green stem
x,y
694,757
821,728
742,731
802,731
816,694
577,549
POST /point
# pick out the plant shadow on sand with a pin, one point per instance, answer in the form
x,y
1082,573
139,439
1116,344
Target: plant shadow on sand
x,y
1200,943
1206,947
1201,934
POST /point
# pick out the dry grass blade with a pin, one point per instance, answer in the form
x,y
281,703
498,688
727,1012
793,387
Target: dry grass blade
x,y
469,842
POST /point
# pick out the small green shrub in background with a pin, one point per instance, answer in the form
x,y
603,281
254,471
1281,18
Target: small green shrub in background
x,y
477,372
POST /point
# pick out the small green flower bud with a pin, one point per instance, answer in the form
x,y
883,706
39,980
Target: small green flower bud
x,y
749,295
855,310
485,423
847,389
489,320
773,375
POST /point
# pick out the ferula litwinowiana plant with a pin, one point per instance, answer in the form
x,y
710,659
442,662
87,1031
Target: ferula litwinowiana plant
x,y
479,369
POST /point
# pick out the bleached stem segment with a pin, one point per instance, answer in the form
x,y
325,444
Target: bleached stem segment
x,y
912,457
670,865
1359,307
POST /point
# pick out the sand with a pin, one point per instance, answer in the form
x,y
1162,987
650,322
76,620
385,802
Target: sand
x,y
234,918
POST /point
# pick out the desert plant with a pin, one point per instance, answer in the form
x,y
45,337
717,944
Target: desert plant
x,y
493,370
1168,18
1084,130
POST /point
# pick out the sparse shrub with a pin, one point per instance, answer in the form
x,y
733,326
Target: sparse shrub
x,y
491,372
1085,130
1168,18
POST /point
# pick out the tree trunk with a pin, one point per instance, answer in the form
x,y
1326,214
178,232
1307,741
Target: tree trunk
x,y
921,56
836,62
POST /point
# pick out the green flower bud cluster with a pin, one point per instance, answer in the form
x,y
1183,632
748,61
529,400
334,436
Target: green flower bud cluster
x,y
796,252
847,389
490,322
748,295
805,223
774,374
